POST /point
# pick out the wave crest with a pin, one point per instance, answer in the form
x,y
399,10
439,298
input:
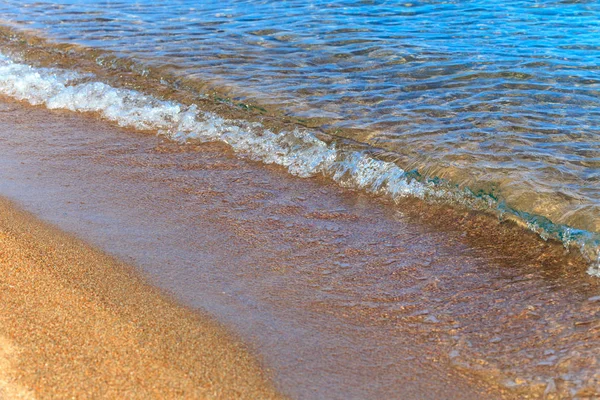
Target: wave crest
x,y
300,151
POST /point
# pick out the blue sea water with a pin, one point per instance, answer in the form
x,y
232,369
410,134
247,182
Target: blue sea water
x,y
501,98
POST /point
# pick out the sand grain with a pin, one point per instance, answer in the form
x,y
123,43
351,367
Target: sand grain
x,y
76,323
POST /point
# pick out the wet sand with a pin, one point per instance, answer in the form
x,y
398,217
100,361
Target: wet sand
x,y
340,293
75,323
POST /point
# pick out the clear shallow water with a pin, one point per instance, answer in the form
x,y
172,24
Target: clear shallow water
x,y
503,98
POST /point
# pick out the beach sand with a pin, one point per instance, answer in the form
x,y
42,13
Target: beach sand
x,y
75,323
341,294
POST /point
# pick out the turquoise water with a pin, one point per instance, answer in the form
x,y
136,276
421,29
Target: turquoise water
x,y
501,98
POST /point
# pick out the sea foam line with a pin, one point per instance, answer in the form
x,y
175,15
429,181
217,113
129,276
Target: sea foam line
x,y
299,151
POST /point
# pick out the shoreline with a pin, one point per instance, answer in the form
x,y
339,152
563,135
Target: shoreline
x,y
339,293
76,322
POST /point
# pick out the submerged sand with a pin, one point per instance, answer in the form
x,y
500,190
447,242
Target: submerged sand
x,y
76,323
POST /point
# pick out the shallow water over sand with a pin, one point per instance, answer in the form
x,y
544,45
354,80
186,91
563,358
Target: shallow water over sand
x,y
302,151
341,294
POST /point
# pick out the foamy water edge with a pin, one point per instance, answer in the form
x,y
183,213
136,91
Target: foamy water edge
x,y
299,151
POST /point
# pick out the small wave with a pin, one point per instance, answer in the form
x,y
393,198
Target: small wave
x,y
300,151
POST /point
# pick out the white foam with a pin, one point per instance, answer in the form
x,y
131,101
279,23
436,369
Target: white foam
x,y
299,151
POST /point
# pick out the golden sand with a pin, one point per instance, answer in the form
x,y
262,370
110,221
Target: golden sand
x,y
75,323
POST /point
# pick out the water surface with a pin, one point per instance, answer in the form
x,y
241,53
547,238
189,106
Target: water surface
x,y
502,99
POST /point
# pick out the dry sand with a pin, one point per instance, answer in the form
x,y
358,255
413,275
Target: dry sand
x,y
75,323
